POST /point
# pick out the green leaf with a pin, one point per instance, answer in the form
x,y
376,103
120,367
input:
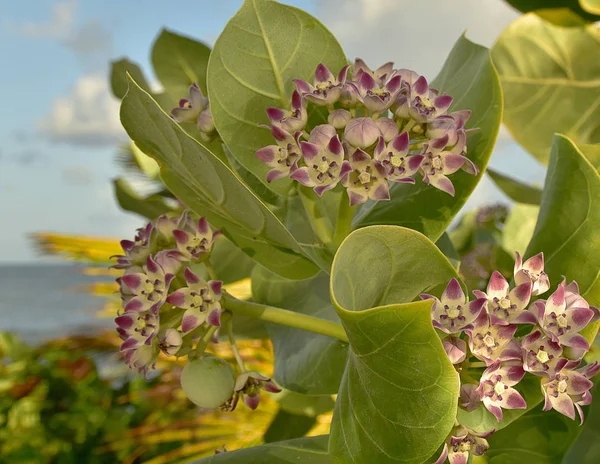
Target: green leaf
x,y
304,362
539,437
118,76
548,86
446,246
311,450
567,227
229,262
591,6
518,228
304,405
262,48
207,186
149,207
587,447
574,5
469,76
398,398
178,62
286,426
515,189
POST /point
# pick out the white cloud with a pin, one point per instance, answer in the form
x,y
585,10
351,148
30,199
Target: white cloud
x,y
413,34
88,116
60,23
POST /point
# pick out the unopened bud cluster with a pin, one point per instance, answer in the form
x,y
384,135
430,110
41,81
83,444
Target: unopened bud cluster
x,y
167,307
383,126
485,328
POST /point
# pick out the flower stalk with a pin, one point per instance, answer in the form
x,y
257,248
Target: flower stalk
x,y
284,317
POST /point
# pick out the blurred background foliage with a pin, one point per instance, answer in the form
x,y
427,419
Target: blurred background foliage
x,y
71,400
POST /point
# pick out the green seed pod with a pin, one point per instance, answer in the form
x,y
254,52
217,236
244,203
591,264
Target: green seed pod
x,y
208,381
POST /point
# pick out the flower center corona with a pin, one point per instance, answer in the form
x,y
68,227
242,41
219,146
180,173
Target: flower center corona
x,y
499,388
542,356
489,341
364,177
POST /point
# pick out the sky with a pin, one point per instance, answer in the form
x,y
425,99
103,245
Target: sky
x,y
59,128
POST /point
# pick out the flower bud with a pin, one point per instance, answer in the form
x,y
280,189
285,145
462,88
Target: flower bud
x,y
208,381
388,128
361,132
205,122
339,118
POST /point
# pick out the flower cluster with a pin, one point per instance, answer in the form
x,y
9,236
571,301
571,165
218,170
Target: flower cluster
x,y
383,126
167,307
195,109
485,328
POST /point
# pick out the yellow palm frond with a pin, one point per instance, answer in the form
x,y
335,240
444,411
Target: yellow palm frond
x,y
77,247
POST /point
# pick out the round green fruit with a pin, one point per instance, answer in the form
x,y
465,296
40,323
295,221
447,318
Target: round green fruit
x,y
208,381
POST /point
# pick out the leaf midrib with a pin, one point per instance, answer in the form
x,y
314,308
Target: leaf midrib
x,y
557,81
276,72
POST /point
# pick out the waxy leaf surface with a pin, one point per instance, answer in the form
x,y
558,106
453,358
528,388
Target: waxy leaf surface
x,y
207,186
398,397
262,48
549,75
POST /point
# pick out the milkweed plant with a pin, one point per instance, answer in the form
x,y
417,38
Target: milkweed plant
x,y
333,185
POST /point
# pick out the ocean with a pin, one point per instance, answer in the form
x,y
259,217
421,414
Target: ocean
x,y
41,302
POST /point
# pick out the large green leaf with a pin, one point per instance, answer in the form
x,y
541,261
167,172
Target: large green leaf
x,y
549,76
286,426
469,76
587,447
149,207
178,62
518,228
574,5
567,227
118,76
262,48
304,362
207,186
538,437
311,450
515,189
398,397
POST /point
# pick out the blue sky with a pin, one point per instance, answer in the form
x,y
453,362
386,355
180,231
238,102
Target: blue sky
x,y
60,131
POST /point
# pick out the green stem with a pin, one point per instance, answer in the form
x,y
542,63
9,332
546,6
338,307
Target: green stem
x,y
203,342
319,222
211,270
228,326
343,225
284,317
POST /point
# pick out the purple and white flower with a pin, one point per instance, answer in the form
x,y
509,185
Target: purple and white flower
x,y
422,103
438,164
375,95
200,299
195,109
249,384
453,313
136,250
194,238
492,343
569,389
381,75
448,124
540,354
506,306
283,157
290,120
462,443
366,179
398,164
339,118
532,271
456,349
496,388
326,88
325,165
147,289
562,323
